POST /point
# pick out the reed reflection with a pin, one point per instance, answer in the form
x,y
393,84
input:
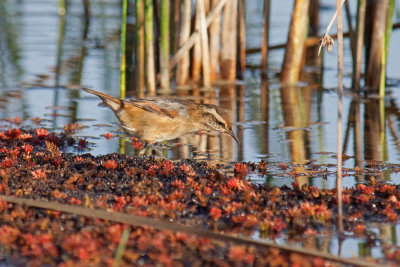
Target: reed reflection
x,y
295,119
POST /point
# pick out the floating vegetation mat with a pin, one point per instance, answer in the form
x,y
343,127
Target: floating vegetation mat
x,y
188,194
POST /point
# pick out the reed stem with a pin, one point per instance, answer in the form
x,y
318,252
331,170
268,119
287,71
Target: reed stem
x,y
339,121
264,47
182,72
149,45
123,50
165,45
359,44
139,55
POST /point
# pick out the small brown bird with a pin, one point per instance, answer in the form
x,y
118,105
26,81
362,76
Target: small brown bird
x,y
155,120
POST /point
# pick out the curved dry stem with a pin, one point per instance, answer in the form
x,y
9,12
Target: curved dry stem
x,y
326,39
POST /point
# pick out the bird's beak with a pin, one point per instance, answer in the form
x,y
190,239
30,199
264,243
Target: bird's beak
x,y
233,136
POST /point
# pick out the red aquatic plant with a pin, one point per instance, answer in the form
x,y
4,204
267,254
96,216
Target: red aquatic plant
x,y
136,143
7,162
82,144
120,202
8,234
152,170
25,136
79,160
75,201
41,133
81,245
241,169
108,136
215,213
178,184
365,189
38,174
114,233
237,253
359,229
27,148
110,164
166,167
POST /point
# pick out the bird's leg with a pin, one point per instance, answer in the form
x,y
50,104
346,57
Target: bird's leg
x,y
143,151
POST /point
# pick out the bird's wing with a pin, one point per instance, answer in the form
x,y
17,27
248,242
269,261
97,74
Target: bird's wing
x,y
170,108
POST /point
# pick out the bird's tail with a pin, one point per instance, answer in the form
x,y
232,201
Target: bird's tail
x,y
110,101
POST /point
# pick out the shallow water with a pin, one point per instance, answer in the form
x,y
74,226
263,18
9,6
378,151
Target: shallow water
x,y
41,54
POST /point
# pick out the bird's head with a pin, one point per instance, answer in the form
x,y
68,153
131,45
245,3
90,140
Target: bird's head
x,y
215,118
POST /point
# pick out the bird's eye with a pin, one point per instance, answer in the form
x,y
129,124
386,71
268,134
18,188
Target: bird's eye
x,y
220,124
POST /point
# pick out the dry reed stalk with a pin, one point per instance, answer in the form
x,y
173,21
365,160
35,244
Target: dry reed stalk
x,y
195,35
123,50
373,146
351,31
241,55
359,45
215,29
204,43
182,72
240,103
140,73
228,46
296,42
314,17
357,134
176,25
327,40
149,42
264,46
339,156
164,47
196,52
377,45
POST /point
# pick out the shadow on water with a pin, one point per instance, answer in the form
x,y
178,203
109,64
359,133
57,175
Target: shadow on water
x,y
44,57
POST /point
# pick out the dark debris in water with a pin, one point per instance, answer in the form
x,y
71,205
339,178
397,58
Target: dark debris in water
x,y
189,192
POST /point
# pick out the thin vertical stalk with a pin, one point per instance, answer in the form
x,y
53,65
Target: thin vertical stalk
x,y
314,17
196,54
351,31
182,72
215,29
264,48
357,133
62,7
339,121
121,247
149,42
296,41
360,43
165,42
383,76
140,73
229,35
123,50
241,40
385,51
176,25
204,43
